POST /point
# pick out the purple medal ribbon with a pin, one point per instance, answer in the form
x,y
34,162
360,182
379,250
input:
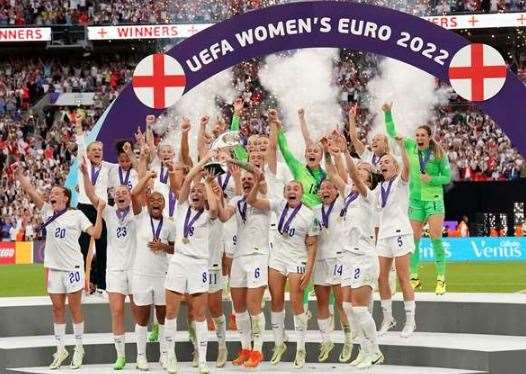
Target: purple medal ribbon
x,y
124,181
223,183
283,227
189,222
326,214
171,203
385,193
156,232
54,217
163,177
348,200
95,174
242,208
122,213
423,160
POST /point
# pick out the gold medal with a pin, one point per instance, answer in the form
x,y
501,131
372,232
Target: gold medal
x,y
341,219
186,240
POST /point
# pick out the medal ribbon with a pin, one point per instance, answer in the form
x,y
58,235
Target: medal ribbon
x,y
156,232
283,227
189,222
348,200
124,181
242,208
385,193
326,214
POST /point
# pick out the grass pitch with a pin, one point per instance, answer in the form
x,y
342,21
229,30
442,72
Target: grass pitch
x,y
28,280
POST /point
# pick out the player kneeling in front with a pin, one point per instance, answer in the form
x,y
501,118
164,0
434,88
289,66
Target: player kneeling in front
x,y
395,240
188,272
63,261
249,275
291,257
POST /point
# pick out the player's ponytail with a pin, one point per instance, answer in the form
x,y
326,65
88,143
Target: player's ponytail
x,y
436,148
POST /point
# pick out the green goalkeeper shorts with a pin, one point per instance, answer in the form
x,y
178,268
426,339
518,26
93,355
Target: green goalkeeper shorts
x,y
420,210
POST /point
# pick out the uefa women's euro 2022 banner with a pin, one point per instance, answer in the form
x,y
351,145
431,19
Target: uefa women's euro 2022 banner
x,y
476,72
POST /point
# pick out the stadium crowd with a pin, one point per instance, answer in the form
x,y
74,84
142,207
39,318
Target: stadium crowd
x,y
477,148
96,12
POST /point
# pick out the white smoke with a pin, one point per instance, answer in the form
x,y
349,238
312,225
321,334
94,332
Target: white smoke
x,y
413,92
196,103
304,80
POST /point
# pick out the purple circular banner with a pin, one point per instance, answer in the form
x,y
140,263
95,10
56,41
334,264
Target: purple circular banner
x,y
383,31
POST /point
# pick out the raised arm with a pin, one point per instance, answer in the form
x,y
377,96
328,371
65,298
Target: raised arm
x,y
184,151
337,152
176,176
202,138
353,132
37,198
96,230
252,197
292,162
388,118
235,172
185,188
331,169
88,186
405,159
143,160
304,129
138,191
213,209
353,172
127,148
240,153
273,146
150,139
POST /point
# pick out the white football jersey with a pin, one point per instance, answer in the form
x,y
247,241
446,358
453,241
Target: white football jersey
x,y
289,245
120,238
148,262
359,224
252,228
119,177
62,251
330,242
369,156
197,243
394,216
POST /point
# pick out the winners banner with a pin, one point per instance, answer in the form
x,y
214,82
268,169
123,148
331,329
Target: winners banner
x,y
25,34
171,31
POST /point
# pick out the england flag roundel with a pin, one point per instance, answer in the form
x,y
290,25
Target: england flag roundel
x,y
477,72
158,81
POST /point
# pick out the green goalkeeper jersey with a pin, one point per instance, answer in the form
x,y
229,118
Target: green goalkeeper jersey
x,y
423,160
309,178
